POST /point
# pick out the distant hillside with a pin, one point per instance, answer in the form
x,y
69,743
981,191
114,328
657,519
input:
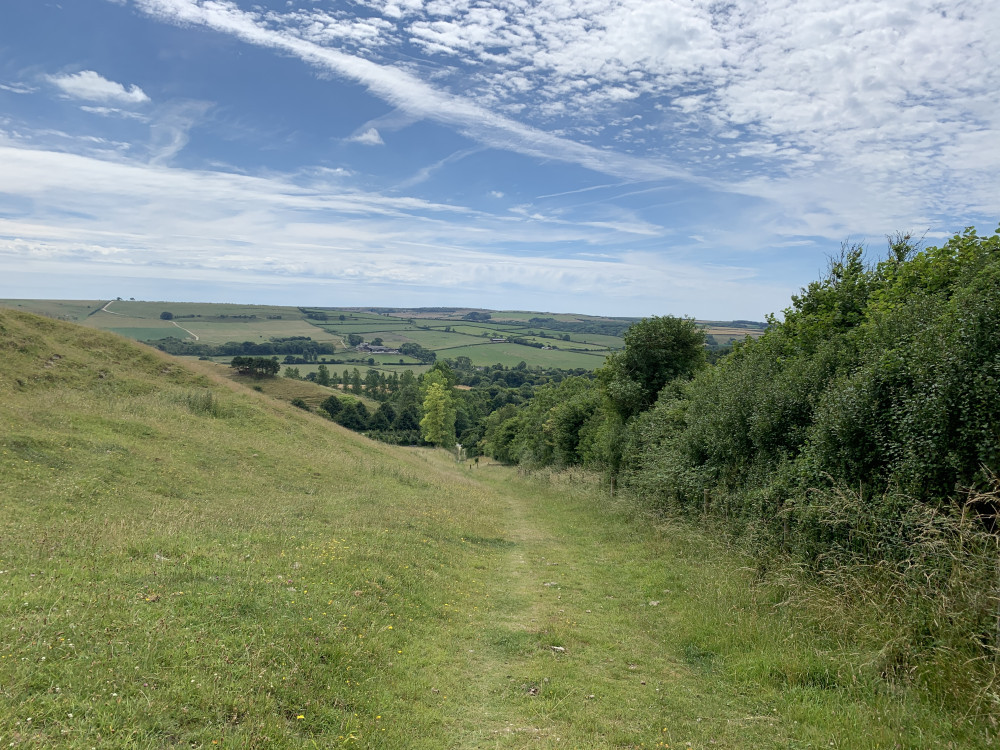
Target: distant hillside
x,y
329,334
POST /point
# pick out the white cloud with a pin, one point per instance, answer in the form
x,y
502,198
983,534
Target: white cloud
x,y
114,112
369,137
170,130
91,86
407,92
896,94
129,219
17,88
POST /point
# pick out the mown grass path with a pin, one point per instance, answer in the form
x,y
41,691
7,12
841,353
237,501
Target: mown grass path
x,y
605,631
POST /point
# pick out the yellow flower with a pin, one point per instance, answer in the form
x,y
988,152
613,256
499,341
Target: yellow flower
x,y
300,716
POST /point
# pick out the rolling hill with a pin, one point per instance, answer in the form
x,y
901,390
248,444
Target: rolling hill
x,y
185,561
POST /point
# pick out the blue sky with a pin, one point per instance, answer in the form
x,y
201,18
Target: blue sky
x,y
618,157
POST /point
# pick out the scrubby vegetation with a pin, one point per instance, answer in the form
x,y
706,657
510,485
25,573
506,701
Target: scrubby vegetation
x,y
858,437
302,346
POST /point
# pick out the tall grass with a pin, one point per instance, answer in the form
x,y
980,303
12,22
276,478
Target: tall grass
x,y
925,581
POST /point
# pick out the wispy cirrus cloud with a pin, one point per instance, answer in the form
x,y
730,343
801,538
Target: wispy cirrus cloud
x,y
115,112
896,95
406,91
91,86
368,137
18,88
125,217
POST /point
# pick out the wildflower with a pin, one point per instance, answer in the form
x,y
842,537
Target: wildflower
x,y
300,716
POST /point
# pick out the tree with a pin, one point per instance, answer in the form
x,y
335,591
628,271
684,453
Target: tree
x,y
354,416
383,417
438,425
407,418
164,315
373,382
323,375
418,352
258,367
354,339
332,406
439,373
657,350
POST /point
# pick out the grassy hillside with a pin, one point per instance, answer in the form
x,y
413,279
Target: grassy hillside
x,y
187,562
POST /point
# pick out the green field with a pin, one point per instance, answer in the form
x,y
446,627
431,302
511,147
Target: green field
x,y
206,309
188,562
221,331
510,355
148,334
219,323
72,310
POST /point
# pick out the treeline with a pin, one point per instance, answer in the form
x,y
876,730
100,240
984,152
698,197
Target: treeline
x,y
301,346
602,327
258,367
860,435
403,399
881,377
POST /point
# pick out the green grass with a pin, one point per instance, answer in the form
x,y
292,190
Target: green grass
x,y
141,321
73,310
205,309
149,334
222,331
185,561
511,354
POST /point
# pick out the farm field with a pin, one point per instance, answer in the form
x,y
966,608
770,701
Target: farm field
x,y
727,334
221,331
510,355
72,310
219,323
189,562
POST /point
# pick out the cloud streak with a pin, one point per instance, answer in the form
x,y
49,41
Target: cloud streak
x,y
368,137
403,90
92,86
895,96
127,218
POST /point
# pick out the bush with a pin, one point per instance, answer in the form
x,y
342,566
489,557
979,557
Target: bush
x,y
859,436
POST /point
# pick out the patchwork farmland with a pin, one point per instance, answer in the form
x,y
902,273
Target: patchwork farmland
x,y
546,340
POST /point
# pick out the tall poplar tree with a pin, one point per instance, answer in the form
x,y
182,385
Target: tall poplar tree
x,y
438,425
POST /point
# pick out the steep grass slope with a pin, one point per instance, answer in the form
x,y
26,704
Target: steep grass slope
x,y
186,562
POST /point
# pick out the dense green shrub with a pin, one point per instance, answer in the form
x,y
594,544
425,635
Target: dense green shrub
x,y
882,378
